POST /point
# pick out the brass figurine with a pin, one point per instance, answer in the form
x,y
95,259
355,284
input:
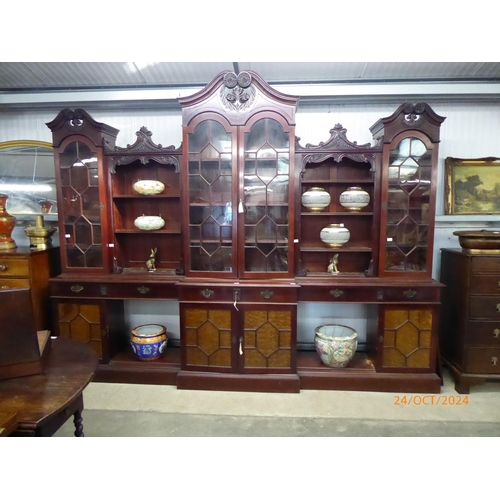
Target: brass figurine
x,y
150,263
332,267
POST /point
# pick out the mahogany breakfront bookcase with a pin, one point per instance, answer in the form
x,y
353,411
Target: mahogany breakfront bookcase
x,y
239,252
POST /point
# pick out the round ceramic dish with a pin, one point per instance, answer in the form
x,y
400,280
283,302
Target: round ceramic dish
x,y
149,222
148,187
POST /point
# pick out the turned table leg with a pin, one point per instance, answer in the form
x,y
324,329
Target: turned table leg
x,y
77,419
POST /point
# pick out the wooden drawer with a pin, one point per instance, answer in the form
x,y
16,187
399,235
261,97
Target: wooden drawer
x,y
14,267
485,333
369,294
489,284
486,265
75,289
139,290
484,306
270,294
412,294
338,294
244,294
206,294
482,360
6,284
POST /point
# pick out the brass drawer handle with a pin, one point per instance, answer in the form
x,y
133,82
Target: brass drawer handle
x,y
143,289
207,293
3,267
336,293
5,287
410,294
267,294
496,333
494,361
498,308
77,288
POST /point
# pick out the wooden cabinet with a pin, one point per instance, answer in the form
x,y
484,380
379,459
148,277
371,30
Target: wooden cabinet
x,y
23,267
335,166
145,161
470,330
239,329
82,191
238,169
410,140
239,251
97,323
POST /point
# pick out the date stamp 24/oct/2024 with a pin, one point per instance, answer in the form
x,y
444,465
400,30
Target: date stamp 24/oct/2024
x,y
431,400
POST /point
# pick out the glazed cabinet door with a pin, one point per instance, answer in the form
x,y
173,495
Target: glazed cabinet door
x,y
410,138
81,201
266,198
82,191
210,198
408,205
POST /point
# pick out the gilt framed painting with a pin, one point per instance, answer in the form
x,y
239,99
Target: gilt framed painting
x,y
472,186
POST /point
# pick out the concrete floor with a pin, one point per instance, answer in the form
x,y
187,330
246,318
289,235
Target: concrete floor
x,y
125,410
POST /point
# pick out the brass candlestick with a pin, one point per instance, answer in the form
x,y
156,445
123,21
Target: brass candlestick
x,y
40,235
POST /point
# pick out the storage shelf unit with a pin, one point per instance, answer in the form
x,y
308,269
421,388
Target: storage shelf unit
x,y
239,252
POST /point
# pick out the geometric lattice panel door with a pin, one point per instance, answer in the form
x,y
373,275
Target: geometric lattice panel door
x,y
268,338
406,340
81,322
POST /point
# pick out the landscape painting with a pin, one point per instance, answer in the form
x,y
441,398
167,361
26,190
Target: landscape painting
x,y
472,186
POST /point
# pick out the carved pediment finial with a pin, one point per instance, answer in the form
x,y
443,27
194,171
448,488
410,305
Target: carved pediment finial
x,y
237,93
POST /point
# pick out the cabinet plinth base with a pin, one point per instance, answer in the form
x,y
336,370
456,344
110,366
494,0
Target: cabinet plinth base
x,y
464,381
282,383
125,368
360,375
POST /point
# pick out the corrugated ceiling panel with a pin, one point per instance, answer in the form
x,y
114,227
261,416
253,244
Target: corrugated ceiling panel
x,y
304,71
178,73
17,75
115,74
488,70
85,74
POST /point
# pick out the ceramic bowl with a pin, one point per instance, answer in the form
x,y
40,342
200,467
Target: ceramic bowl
x,y
335,344
315,199
149,222
354,199
335,235
479,240
148,187
148,341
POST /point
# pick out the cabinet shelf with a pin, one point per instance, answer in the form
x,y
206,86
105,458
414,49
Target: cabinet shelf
x,y
145,197
363,249
337,214
338,181
138,231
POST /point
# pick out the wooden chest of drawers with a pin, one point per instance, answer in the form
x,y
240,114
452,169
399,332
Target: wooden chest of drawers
x,y
470,320
25,268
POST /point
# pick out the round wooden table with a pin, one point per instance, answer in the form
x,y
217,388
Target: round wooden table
x,y
42,403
